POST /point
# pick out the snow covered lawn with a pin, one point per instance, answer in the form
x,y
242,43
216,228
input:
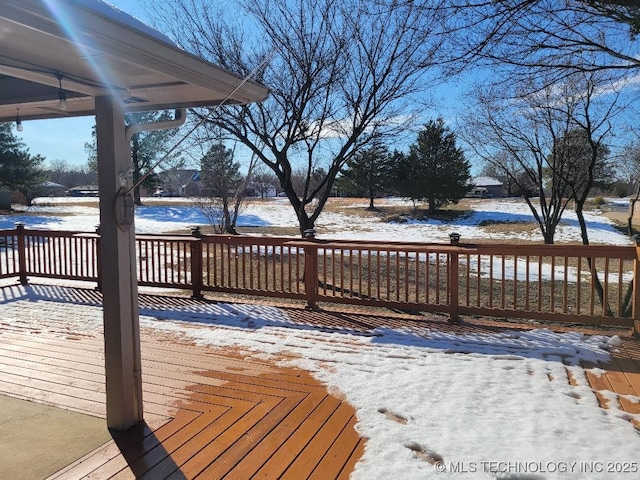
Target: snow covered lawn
x,y
156,217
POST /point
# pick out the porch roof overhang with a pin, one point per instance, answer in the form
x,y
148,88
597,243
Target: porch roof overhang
x,y
96,50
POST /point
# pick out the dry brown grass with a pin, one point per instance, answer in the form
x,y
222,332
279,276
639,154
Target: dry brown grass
x,y
509,227
393,213
271,231
88,202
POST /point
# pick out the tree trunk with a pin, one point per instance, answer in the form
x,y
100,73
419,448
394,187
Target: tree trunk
x,y
371,196
305,224
432,206
632,209
585,241
229,225
136,196
135,163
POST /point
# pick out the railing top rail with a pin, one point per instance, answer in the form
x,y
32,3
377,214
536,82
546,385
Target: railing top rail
x,y
168,238
377,246
87,235
246,239
578,250
600,251
55,233
570,250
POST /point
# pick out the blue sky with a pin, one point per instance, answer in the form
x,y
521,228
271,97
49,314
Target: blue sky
x,y
65,138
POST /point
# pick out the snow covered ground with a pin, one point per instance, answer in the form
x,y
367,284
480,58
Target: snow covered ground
x,y
277,212
486,406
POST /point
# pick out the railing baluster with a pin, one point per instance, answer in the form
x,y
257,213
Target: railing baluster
x,y
391,279
619,311
477,276
579,285
515,282
491,281
593,286
553,284
565,289
526,281
605,287
503,276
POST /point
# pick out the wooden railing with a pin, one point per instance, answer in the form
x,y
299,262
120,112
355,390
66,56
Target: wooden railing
x,y
571,283
8,254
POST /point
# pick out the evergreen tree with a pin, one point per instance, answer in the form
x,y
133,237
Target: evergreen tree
x,y
220,174
367,174
435,169
19,170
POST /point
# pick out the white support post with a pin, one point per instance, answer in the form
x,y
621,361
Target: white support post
x,y
119,279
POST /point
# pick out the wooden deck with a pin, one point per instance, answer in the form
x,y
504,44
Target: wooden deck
x,y
622,377
208,413
212,413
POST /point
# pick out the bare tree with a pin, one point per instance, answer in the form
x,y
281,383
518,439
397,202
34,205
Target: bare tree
x,y
628,166
628,172
342,74
61,172
559,137
536,136
511,173
263,182
554,38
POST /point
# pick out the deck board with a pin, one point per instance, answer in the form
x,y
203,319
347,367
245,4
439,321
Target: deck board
x,y
213,411
309,459
622,377
216,413
295,444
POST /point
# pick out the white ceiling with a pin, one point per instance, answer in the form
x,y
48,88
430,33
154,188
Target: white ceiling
x,y
98,50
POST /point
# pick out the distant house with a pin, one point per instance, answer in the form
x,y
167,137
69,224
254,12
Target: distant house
x,y
179,183
484,187
51,189
260,190
83,191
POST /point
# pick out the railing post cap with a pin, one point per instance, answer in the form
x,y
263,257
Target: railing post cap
x,y
454,237
309,234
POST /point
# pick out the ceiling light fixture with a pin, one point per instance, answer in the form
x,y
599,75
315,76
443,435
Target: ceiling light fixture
x,y
62,94
19,126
